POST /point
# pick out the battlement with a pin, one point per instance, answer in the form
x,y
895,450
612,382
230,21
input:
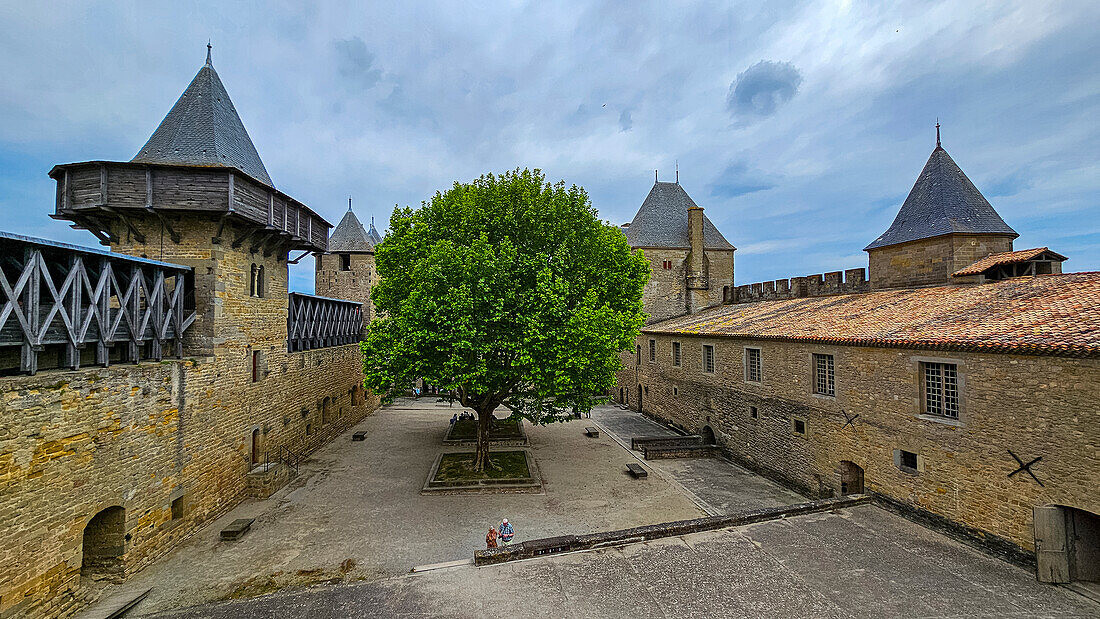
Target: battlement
x,y
849,281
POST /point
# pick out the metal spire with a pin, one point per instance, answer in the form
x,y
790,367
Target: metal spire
x,y
655,176
349,203
208,48
677,171
938,133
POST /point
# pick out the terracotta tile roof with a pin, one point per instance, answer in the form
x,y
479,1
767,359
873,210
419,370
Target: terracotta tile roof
x,y
1045,314
1008,257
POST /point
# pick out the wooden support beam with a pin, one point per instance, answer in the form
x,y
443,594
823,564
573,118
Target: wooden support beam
x,y
175,236
217,239
133,230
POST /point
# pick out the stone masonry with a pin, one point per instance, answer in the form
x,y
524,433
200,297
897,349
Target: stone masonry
x,y
1031,405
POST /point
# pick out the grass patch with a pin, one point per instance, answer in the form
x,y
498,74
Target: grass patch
x,y
460,467
499,430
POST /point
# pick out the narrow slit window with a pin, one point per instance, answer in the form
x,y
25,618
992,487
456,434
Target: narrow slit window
x,y
652,350
676,354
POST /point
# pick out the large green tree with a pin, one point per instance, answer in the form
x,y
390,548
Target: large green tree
x,y
508,291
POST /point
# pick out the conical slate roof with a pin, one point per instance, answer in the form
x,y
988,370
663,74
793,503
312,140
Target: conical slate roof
x,y
349,236
942,201
372,234
662,221
203,128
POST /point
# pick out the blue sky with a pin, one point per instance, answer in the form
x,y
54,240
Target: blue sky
x,y
799,127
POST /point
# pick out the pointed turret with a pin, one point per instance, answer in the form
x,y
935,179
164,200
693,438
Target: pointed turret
x,y
203,129
944,224
375,238
942,201
349,236
662,221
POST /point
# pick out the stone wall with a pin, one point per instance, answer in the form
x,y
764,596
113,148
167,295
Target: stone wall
x,y
1033,406
666,294
929,262
354,284
168,442
849,281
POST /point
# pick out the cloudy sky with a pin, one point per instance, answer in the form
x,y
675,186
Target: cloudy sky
x,y
799,126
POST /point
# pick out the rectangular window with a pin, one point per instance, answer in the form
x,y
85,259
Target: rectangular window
x,y
799,426
753,412
708,358
753,367
906,460
676,354
255,365
652,350
823,375
345,262
941,389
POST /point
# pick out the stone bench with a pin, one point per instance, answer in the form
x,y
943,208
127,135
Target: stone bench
x,y
636,470
592,432
237,528
361,435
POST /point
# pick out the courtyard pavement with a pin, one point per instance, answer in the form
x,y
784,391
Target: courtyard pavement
x,y
717,485
355,512
858,562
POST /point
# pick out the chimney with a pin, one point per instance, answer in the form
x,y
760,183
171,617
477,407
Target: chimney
x,y
695,238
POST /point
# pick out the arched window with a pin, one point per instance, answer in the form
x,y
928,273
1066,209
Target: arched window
x,y
252,281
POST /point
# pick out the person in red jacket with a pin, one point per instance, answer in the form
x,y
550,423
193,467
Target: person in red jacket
x,y
491,538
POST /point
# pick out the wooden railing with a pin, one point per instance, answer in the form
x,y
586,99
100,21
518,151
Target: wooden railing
x,y
319,322
56,295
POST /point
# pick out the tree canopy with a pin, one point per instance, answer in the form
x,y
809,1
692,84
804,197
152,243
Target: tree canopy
x,y
507,290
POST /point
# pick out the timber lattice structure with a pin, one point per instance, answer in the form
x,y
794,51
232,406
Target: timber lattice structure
x,y
320,322
90,305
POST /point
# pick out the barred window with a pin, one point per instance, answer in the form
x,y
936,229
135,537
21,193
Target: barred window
x,y
652,350
824,383
676,354
941,389
753,369
708,358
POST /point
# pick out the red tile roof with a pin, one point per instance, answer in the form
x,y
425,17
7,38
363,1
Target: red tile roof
x,y
1008,257
1040,315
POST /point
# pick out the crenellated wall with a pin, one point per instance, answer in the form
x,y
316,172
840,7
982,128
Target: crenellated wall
x,y
848,281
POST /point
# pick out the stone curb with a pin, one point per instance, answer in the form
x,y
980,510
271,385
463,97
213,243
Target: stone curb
x,y
570,543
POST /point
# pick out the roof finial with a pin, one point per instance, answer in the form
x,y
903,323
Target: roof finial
x,y
349,203
937,132
655,176
677,171
208,48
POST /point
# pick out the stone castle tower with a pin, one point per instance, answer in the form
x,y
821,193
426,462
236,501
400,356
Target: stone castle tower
x,y
197,194
944,225
347,270
690,260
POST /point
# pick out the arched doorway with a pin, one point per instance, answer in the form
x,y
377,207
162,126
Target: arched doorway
x,y
639,398
851,478
104,544
622,398
1067,545
708,435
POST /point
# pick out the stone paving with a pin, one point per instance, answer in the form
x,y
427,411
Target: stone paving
x,y
356,512
717,485
858,562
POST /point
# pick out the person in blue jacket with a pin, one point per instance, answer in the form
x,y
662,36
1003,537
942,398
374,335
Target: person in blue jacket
x,y
506,532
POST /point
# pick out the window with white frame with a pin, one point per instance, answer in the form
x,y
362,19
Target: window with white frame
x,y
676,354
708,358
941,389
753,365
824,383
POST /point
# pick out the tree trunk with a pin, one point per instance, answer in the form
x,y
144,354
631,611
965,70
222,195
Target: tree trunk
x,y
481,459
